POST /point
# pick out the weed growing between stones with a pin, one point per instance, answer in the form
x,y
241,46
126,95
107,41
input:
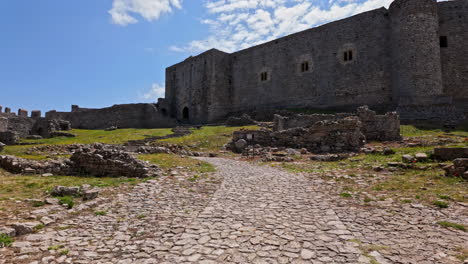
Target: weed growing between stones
x,y
100,213
447,224
440,204
5,240
67,200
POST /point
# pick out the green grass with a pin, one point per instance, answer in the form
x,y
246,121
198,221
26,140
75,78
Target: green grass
x,y
66,200
430,130
55,247
168,161
18,186
119,136
447,224
210,138
440,204
346,195
5,240
101,213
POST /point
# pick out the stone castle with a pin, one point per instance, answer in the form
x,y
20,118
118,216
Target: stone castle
x,y
413,54
412,57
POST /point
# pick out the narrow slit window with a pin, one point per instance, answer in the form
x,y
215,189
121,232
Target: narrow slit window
x,y
305,66
345,56
264,76
350,55
443,42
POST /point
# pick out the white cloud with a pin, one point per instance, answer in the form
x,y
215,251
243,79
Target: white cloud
x,y
152,95
123,11
238,24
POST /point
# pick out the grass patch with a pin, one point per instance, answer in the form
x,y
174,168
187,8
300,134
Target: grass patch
x,y
64,252
447,224
209,138
168,161
119,136
37,203
141,216
346,195
440,204
100,213
66,200
39,227
17,186
55,247
5,240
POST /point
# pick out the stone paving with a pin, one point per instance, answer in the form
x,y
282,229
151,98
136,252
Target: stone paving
x,y
258,214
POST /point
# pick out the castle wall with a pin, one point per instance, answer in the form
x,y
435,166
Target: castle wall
x,y
330,81
453,20
121,116
199,85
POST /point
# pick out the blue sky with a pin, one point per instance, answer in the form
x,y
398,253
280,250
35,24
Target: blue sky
x,y
96,53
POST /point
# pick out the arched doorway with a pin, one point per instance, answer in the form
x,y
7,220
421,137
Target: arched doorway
x,y
185,113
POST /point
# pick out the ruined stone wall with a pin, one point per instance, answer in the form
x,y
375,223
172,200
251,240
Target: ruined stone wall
x,y
20,124
121,116
374,127
330,81
453,22
322,137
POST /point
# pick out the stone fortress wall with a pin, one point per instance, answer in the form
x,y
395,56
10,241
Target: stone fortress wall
x,y
121,116
411,55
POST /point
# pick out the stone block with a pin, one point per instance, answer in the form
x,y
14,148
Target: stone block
x,y
7,110
2,146
11,232
450,153
408,158
65,191
421,157
463,163
25,228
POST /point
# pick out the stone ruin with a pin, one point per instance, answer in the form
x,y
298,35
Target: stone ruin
x,y
13,127
374,127
93,160
328,136
320,133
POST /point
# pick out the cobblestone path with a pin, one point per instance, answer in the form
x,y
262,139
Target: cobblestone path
x,y
258,214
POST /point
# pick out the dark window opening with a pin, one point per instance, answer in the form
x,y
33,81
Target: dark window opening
x,y
305,66
164,111
185,113
348,55
264,76
443,42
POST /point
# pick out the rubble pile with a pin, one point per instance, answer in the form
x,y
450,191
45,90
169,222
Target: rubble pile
x,y
322,137
459,168
96,160
104,160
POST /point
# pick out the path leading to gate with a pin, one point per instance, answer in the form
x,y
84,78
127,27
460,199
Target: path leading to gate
x,y
244,213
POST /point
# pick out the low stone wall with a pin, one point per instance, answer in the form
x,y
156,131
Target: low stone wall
x,y
120,116
96,160
327,136
374,127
